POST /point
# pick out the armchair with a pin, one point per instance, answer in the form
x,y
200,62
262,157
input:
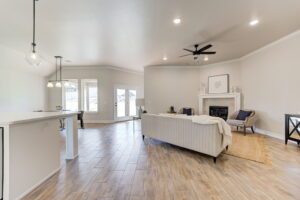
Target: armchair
x,y
249,122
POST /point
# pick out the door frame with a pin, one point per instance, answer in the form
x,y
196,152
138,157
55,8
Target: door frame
x,y
126,88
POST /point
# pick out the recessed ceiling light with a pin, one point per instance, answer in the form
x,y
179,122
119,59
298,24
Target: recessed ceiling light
x,y
165,58
177,21
205,58
254,22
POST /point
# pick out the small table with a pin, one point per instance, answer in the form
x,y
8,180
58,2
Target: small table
x,y
296,126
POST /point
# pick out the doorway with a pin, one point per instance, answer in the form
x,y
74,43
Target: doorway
x,y
125,107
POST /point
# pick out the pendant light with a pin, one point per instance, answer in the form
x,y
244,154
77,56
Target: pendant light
x,y
58,81
33,57
50,84
64,83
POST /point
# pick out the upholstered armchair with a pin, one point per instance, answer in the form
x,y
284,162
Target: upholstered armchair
x,y
249,121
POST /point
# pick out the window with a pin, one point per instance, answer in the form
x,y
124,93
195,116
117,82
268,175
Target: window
x,y
89,94
132,106
121,102
70,95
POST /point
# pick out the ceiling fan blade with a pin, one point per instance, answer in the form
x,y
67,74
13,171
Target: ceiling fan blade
x,y
205,48
189,50
186,55
209,52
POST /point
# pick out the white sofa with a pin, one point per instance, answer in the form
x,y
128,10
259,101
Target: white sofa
x,y
181,131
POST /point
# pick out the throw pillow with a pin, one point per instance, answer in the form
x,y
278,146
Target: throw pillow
x,y
187,111
243,115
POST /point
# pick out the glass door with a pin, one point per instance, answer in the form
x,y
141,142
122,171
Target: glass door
x,y
125,106
121,103
132,106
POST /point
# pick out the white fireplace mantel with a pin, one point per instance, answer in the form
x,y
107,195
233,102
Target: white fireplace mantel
x,y
235,96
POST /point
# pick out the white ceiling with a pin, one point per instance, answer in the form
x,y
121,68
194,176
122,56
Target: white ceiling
x,y
137,33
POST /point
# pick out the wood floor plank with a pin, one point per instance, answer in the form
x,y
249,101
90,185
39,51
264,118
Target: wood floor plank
x,y
114,163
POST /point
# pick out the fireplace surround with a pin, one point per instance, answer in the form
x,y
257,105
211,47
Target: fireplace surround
x,y
232,100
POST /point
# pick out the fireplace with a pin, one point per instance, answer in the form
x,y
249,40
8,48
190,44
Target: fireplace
x,y
219,111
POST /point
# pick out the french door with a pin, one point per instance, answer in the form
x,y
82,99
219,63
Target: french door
x,y
125,107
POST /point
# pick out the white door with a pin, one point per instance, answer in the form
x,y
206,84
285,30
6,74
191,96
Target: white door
x,y
125,106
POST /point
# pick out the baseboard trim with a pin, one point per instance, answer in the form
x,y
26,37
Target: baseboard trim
x,y
99,121
105,121
38,184
270,133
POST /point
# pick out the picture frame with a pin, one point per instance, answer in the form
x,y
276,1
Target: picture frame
x,y
218,84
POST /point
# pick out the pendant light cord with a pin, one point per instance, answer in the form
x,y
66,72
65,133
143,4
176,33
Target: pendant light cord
x,y
33,37
60,69
56,69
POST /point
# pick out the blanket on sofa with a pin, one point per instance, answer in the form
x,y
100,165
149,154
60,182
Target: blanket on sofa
x,y
223,127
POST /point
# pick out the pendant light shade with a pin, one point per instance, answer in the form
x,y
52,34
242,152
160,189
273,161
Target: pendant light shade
x,y
33,58
58,84
50,85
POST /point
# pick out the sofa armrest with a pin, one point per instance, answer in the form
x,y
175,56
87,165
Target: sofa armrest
x,y
250,121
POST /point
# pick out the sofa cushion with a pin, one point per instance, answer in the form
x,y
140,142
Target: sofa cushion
x,y
234,122
243,115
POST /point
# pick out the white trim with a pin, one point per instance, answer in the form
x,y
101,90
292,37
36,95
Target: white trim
x,y
194,66
84,86
235,96
221,63
232,60
180,66
127,88
38,184
270,45
99,121
269,133
89,67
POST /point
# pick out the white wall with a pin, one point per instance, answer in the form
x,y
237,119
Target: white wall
x,y
171,86
231,67
268,78
20,88
271,82
108,78
167,86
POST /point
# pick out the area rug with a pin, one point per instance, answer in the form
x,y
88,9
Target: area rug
x,y
250,147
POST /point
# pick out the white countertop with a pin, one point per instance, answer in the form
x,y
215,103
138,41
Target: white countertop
x,y
7,118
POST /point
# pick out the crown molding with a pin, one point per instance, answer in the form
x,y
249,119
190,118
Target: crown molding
x,y
193,66
101,67
278,41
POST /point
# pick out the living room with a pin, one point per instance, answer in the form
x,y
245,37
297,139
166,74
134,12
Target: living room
x,y
264,77
140,99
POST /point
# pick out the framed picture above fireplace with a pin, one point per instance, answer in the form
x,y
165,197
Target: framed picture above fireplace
x,y
218,84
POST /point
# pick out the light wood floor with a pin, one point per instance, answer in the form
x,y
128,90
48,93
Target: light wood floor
x,y
114,163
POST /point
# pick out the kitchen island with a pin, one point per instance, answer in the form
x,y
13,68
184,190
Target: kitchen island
x,y
31,147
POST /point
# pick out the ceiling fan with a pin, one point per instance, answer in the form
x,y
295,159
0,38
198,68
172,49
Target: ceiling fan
x,y
198,52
